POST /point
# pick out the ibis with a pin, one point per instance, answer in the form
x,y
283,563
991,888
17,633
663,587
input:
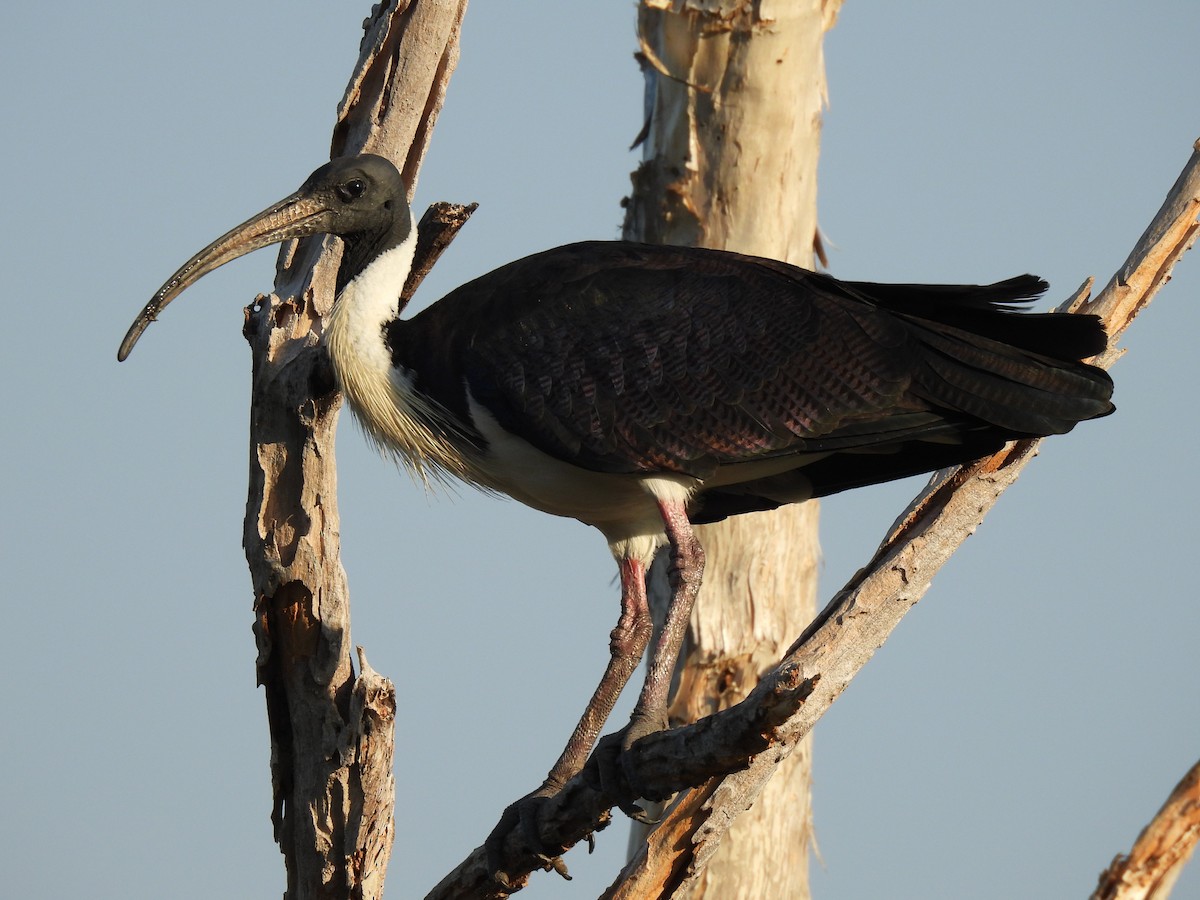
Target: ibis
x,y
646,389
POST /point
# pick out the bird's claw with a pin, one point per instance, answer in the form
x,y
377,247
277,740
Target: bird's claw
x,y
618,775
651,813
522,817
554,863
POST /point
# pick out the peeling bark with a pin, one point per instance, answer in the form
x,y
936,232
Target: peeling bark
x,y
1152,867
332,731
735,92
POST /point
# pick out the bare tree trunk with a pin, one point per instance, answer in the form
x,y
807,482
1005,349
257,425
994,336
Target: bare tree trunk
x,y
734,100
332,732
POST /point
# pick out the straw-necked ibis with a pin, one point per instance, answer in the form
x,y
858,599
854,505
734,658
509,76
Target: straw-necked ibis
x,y
644,389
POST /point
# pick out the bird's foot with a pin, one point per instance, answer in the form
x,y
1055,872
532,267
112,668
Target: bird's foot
x,y
523,817
618,768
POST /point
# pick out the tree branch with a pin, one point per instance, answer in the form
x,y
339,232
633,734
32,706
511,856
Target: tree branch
x,y
332,732
713,71
435,231
1162,849
666,762
843,637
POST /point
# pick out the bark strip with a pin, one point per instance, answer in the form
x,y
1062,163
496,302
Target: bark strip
x,y
735,92
332,730
1149,871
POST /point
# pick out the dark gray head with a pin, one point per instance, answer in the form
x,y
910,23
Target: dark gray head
x,y
361,199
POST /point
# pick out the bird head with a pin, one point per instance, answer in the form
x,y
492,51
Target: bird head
x,y
361,199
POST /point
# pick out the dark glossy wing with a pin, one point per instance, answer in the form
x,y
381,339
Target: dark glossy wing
x,y
632,358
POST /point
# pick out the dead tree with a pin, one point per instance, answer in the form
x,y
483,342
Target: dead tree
x,y
732,137
331,727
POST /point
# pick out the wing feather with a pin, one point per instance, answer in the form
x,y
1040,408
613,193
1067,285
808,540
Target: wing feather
x,y
632,358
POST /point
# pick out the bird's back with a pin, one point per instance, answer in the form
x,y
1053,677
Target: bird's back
x,y
630,358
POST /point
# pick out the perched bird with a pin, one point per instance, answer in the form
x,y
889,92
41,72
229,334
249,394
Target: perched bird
x,y
645,389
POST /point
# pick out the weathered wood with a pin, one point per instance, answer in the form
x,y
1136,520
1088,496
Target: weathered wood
x,y
735,93
331,731
1151,868
666,762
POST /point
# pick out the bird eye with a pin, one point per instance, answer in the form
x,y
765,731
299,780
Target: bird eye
x,y
351,190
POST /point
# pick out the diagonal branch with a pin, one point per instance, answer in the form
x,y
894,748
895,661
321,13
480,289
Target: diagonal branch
x,y
435,231
666,762
844,636
1161,851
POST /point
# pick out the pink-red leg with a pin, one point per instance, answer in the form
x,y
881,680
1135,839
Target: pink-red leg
x,y
686,573
626,644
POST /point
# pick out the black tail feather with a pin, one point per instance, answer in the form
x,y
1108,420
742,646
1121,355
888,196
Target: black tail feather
x,y
1021,392
995,311
992,372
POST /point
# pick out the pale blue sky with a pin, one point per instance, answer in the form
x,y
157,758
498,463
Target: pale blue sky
x,y
1019,728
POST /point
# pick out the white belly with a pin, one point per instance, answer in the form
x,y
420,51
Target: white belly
x,y
623,507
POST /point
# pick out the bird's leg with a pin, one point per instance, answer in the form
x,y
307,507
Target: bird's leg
x,y
626,644
650,713
685,573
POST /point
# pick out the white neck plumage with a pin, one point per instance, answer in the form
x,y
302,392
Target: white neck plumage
x,y
397,418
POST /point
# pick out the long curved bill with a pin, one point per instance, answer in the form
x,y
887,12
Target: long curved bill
x,y
297,215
